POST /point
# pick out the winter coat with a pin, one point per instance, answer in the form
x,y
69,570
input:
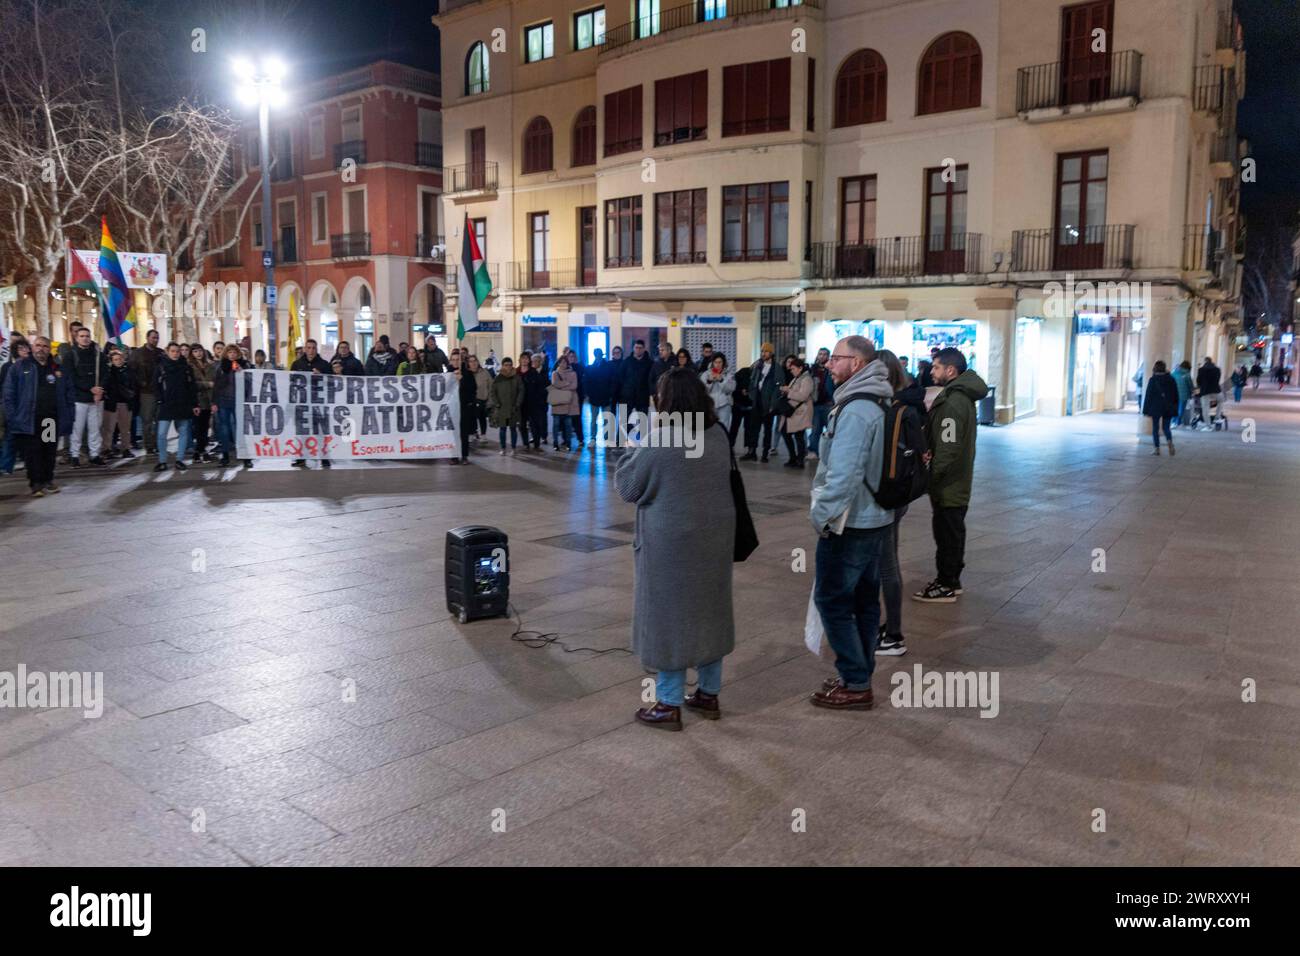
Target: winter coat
x,y
506,400
825,385
81,369
19,398
741,397
223,382
466,394
535,384
407,367
1161,397
682,612
721,390
434,360
178,393
304,364
657,368
600,383
382,363
634,381
1207,379
952,416
143,363
567,379
852,454
1183,379
119,388
351,364
765,402
203,382
802,392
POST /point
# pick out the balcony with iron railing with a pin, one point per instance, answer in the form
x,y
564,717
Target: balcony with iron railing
x,y
690,14
1202,248
350,245
452,273
1225,152
1208,88
553,274
353,149
430,247
897,257
1069,249
1095,79
469,178
428,154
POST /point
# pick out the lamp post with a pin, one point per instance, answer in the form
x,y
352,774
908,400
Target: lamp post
x,y
261,86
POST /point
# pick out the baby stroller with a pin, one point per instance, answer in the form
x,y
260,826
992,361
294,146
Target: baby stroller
x,y
1218,414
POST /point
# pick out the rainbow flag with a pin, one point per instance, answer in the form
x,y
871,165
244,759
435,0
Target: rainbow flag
x,y
118,311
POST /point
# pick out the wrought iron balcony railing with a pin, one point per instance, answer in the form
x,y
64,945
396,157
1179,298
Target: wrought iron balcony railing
x,y
1069,249
350,245
471,177
428,154
286,250
1093,79
898,257
430,247
1202,248
553,274
353,149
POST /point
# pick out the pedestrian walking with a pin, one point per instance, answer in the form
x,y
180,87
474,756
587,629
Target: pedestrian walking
x,y
682,601
1160,403
1256,373
1239,377
1208,378
1182,377
950,431
851,526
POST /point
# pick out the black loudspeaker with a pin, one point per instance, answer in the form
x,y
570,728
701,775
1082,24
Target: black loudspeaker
x,y
477,572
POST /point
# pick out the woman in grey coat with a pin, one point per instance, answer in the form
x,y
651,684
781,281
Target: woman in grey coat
x,y
682,615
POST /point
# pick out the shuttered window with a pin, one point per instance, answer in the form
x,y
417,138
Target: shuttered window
x,y
623,121
860,89
682,108
538,145
756,97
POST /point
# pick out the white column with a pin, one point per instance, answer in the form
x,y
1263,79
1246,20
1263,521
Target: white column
x,y
1167,312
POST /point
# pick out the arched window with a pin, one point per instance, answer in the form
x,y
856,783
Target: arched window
x,y
584,137
537,145
476,69
951,72
860,88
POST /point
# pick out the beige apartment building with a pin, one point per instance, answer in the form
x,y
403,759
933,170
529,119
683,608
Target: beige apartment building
x,y
1053,188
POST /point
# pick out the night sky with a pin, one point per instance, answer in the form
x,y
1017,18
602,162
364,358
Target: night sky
x,y
1270,114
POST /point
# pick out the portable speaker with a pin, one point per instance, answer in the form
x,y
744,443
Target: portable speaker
x,y
477,572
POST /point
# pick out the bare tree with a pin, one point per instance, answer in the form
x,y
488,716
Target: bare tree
x,y
1266,276
59,149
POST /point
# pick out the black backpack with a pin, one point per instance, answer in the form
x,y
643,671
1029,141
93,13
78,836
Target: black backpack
x,y
905,474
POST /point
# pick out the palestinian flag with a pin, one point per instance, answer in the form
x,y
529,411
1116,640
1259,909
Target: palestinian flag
x,y
79,277
472,282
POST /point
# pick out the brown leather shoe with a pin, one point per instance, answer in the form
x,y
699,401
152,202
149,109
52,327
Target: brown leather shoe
x,y
662,716
706,705
840,698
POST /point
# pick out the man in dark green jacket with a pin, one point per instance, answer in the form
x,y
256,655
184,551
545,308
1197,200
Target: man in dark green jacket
x,y
951,434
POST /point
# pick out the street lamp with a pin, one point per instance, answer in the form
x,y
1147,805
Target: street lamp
x,y
260,86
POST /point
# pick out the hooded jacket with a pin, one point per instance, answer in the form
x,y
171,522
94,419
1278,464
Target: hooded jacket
x,y
1183,379
852,455
506,401
950,432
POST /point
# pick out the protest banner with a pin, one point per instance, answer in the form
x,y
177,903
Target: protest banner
x,y
306,415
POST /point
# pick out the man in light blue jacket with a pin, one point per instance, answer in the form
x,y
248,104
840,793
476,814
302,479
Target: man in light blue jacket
x,y
851,525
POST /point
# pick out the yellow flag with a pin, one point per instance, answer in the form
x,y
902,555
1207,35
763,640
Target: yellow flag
x,y
294,331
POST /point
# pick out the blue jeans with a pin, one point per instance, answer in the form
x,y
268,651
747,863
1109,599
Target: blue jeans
x,y
670,687
1159,423
226,430
847,595
8,454
183,430
821,414
562,425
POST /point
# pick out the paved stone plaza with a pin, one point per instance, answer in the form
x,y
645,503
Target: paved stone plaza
x,y
227,739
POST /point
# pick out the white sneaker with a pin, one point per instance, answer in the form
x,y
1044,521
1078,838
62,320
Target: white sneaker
x,y
503,452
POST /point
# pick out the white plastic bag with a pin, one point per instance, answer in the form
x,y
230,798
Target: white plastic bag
x,y
814,636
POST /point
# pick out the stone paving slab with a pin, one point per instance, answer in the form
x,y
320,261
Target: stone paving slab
x,y
304,691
